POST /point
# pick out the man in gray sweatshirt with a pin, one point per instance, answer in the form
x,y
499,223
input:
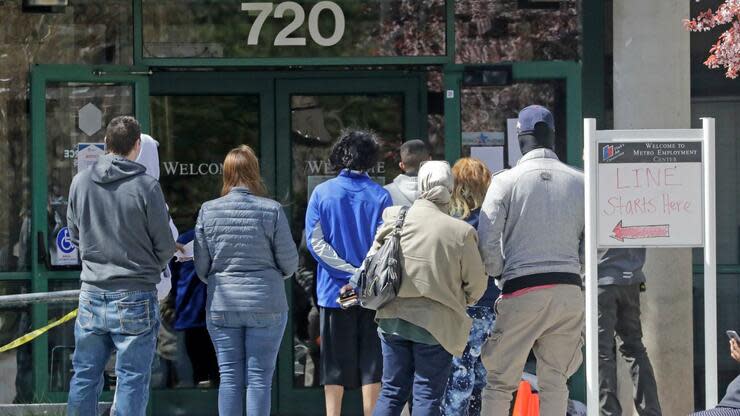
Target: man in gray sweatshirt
x,y
620,280
118,220
404,188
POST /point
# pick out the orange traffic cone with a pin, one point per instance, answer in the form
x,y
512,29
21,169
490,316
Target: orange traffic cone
x,y
527,403
534,405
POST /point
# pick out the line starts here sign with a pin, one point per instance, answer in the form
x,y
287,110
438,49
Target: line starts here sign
x,y
650,194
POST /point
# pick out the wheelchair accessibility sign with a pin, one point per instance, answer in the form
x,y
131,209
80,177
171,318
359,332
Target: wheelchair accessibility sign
x,y
66,252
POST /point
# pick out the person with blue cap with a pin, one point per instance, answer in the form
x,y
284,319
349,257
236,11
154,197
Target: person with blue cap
x,y
531,237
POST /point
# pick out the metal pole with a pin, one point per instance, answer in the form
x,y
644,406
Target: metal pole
x,y
590,163
710,266
43,297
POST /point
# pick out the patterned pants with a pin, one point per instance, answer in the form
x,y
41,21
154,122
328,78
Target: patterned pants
x,y
468,376
719,411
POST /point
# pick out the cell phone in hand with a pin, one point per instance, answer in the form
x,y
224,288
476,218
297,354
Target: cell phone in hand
x,y
733,335
348,299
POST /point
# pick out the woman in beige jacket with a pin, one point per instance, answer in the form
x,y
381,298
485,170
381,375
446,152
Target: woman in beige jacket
x,y
442,273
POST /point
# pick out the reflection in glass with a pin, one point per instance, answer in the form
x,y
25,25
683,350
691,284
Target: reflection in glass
x,y
435,114
220,29
15,365
503,30
486,110
317,122
87,32
70,108
195,133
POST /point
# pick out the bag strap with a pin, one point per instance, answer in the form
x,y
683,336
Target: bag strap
x,y
401,218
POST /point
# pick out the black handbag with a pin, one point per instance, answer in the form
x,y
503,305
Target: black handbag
x,y
380,277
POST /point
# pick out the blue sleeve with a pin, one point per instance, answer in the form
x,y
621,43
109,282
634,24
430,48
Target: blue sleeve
x,y
386,202
319,248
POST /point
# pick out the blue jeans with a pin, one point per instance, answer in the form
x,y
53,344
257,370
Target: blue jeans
x,y
468,376
411,366
124,322
246,346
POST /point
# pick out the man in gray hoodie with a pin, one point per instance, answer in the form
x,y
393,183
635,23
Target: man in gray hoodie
x,y
118,220
403,189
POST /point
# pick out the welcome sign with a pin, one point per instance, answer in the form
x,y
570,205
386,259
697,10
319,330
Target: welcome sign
x,y
650,194
650,188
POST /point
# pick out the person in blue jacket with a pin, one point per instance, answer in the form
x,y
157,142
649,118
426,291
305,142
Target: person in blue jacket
x,y
190,316
342,217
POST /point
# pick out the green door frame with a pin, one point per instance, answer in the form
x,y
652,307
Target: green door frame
x,y
201,401
309,401
568,71
41,77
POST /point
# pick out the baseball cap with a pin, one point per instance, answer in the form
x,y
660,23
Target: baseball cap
x,y
532,115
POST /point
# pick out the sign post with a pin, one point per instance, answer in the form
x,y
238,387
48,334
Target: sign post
x,y
649,188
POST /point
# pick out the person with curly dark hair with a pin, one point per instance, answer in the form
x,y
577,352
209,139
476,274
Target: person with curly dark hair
x,y
342,217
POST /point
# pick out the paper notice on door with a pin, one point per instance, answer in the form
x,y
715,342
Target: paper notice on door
x,y
483,138
88,154
492,156
512,142
186,254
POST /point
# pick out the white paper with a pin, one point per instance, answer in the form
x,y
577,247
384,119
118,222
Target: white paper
x,y
512,141
186,254
643,201
492,156
88,154
483,138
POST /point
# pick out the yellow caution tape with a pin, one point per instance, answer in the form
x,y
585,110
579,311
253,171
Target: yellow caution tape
x,y
35,334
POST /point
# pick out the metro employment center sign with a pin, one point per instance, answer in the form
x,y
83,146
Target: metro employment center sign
x,y
650,188
650,194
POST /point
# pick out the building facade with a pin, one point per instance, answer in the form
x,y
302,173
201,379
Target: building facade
x,y
203,76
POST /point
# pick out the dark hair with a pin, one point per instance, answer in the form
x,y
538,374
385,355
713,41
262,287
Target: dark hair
x,y
122,134
413,152
355,150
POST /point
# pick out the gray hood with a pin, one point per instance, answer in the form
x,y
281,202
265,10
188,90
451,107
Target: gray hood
x,y
111,168
404,190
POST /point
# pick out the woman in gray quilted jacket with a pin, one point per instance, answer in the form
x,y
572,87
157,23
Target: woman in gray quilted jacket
x,y
244,250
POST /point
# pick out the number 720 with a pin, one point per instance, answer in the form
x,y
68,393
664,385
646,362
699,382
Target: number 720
x,y
284,38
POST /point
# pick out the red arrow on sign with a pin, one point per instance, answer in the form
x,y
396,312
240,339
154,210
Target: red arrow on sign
x,y
640,231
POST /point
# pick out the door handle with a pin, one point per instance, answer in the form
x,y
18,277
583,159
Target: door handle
x,y
43,256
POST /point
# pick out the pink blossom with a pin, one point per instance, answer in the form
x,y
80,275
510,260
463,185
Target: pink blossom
x,y
726,52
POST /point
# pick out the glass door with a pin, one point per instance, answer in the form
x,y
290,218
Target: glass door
x,y
197,117
71,106
311,113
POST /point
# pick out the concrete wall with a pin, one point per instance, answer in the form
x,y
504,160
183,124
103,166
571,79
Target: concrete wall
x,y
652,90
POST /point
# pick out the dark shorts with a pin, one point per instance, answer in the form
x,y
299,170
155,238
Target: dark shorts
x,y
350,348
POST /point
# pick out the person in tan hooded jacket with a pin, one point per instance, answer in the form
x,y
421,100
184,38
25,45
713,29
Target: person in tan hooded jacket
x,y
427,323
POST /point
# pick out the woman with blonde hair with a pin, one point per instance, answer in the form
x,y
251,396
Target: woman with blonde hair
x,y
243,251
468,376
